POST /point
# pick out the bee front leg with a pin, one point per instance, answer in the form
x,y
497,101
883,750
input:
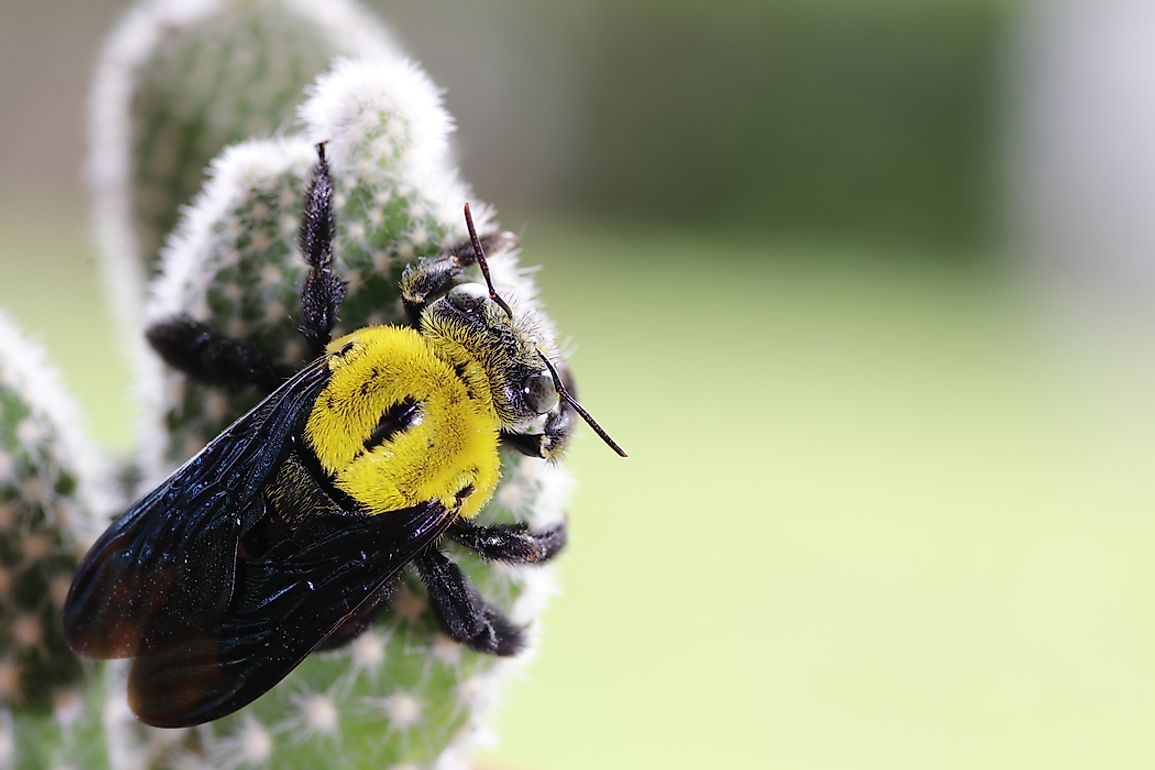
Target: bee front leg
x,y
432,277
551,443
462,613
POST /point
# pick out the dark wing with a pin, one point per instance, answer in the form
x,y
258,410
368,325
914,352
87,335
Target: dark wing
x,y
286,604
170,560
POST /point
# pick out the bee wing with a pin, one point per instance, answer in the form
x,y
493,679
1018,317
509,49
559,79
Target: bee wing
x,y
170,560
285,605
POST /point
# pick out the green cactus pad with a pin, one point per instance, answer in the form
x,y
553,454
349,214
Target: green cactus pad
x,y
52,492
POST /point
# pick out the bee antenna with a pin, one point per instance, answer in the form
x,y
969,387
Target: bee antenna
x,y
589,418
480,254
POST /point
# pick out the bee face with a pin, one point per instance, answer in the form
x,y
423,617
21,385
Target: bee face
x,y
504,347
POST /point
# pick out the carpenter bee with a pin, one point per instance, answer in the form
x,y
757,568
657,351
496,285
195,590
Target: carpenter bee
x,y
288,531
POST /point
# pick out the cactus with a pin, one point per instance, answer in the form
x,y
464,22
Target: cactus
x,y
52,494
178,81
401,694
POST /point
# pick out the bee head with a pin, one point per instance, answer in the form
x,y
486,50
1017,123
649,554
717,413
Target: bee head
x,y
482,336
485,338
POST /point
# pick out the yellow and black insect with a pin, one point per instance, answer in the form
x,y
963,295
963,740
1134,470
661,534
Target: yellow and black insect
x,y
288,531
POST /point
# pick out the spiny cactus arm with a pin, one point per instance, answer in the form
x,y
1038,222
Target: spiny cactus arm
x,y
178,81
54,494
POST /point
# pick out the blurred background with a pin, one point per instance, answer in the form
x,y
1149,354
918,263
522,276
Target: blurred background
x,y
866,289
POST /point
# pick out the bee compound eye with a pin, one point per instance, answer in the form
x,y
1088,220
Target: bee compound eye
x,y
539,392
468,297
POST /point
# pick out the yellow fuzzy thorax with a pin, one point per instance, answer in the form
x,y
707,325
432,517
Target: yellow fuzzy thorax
x,y
452,447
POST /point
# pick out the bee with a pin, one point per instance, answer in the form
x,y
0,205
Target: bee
x,y
288,532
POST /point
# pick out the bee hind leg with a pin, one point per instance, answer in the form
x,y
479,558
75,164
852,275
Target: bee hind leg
x,y
463,614
365,616
511,543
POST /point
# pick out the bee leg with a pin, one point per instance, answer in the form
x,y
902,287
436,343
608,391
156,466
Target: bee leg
x,y
365,616
462,613
432,277
512,543
211,357
559,426
550,443
323,290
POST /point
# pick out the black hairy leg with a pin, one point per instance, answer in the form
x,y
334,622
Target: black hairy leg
x,y
512,543
323,290
213,358
462,613
551,442
432,277
365,616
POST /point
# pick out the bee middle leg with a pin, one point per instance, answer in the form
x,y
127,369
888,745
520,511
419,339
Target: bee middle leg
x,y
213,358
217,359
323,290
463,614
